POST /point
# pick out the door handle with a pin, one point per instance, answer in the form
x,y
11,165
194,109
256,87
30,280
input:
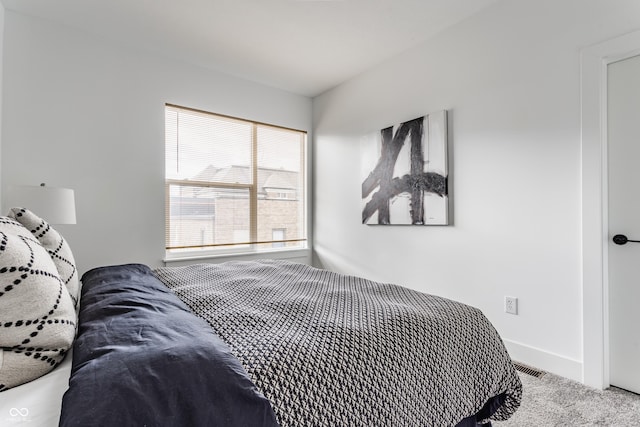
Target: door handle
x,y
621,239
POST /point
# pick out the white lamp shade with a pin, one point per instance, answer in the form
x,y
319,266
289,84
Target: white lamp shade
x,y
54,205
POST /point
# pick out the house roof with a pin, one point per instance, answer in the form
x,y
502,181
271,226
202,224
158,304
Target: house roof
x,y
268,178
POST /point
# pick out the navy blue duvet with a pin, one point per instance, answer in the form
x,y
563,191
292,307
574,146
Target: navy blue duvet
x,y
142,358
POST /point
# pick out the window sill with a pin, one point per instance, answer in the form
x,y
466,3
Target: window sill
x,y
299,255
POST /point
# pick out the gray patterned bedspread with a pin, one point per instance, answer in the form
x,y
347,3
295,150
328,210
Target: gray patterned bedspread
x,y
334,350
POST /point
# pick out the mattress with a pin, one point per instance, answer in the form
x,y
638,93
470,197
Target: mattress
x,y
192,346
144,356
37,403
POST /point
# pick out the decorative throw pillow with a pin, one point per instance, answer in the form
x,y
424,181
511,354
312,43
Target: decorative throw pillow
x,y
55,244
37,315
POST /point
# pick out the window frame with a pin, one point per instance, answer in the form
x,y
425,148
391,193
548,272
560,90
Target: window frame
x,y
253,245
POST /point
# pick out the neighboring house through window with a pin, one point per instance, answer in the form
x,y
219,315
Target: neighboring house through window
x,y
278,237
232,184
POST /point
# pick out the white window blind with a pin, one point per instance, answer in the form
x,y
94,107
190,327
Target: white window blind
x,y
231,182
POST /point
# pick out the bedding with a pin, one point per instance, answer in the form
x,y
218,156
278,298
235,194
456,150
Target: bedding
x,y
37,314
36,403
328,349
141,358
275,343
56,246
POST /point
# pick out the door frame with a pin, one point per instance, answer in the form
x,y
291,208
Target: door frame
x,y
595,297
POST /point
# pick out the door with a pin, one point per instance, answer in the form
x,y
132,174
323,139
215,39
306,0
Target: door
x,y
623,127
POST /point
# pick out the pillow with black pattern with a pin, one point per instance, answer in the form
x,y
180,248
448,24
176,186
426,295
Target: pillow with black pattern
x,y
55,244
37,315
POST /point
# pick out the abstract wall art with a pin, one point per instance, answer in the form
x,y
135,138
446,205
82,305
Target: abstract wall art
x,y
405,173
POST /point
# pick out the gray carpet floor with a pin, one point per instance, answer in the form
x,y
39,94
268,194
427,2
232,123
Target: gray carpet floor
x,y
556,401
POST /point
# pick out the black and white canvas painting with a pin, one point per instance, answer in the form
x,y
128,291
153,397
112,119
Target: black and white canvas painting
x,y
405,173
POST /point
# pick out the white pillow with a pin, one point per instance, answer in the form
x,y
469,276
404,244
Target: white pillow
x,y
55,244
37,315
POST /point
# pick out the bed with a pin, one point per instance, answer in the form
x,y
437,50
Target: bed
x,y
268,343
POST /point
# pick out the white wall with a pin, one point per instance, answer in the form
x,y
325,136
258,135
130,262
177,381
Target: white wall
x,y
88,114
1,73
510,78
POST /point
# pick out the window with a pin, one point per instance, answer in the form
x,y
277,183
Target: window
x,y
231,183
278,237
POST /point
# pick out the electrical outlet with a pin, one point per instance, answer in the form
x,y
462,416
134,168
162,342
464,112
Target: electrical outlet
x,y
511,305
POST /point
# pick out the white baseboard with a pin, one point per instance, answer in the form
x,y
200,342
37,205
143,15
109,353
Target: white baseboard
x,y
544,360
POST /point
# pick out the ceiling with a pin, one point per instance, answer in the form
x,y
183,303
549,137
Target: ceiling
x,y
302,46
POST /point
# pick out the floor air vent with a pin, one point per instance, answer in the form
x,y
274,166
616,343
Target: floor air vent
x,y
528,370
